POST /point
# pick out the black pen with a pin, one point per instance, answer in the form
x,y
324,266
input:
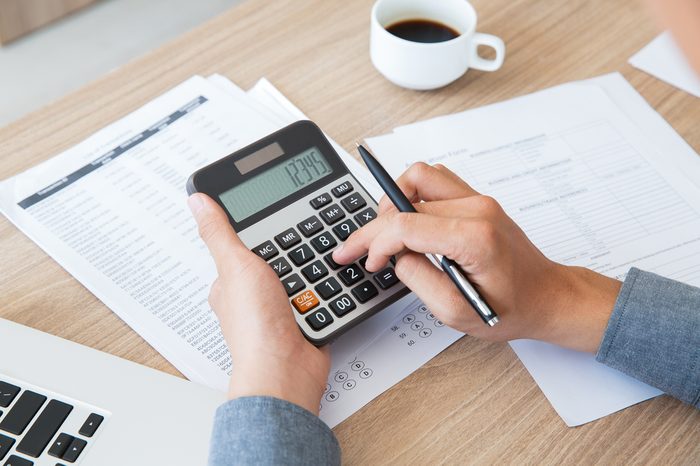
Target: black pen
x,y
448,265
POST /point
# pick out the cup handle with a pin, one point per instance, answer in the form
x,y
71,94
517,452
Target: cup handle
x,y
496,43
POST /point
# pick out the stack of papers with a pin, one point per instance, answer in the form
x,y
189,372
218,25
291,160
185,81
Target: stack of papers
x,y
596,178
662,58
578,163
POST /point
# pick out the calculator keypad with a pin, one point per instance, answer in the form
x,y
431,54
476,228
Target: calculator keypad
x,y
353,202
323,242
332,214
310,226
301,255
344,229
293,283
322,292
315,271
288,238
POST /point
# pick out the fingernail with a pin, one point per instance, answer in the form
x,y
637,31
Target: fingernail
x,y
196,204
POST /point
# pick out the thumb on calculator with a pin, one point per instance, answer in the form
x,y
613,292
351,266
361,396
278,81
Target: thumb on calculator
x,y
270,355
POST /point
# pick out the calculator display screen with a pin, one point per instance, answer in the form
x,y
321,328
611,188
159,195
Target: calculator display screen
x,y
278,182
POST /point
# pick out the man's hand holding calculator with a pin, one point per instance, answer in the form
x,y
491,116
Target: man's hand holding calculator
x,y
270,355
535,297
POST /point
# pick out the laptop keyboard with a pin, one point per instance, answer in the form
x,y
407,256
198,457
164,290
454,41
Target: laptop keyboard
x,y
39,427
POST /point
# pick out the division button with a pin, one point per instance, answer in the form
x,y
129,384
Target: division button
x,y
320,200
281,266
288,238
310,226
365,291
366,216
305,301
293,283
342,189
353,202
386,278
319,319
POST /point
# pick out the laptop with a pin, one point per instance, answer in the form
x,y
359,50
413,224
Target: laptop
x,y
62,403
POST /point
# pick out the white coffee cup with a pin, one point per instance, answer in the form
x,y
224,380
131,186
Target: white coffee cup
x,y
422,66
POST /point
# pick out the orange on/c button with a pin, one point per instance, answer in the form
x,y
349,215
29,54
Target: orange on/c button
x,y
305,301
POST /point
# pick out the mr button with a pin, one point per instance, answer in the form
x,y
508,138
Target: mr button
x,y
305,301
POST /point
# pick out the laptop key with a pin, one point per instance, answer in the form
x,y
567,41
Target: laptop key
x,y
8,392
44,428
60,445
5,445
15,460
22,412
74,450
90,425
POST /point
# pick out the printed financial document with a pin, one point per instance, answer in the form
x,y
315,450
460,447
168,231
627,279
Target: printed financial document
x,y
590,187
112,211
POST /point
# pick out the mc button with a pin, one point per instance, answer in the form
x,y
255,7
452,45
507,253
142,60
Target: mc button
x,y
267,250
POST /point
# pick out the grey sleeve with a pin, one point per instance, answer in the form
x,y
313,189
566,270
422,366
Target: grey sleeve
x,y
654,335
263,430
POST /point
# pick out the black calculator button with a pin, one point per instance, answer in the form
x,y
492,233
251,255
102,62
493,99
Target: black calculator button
x,y
365,291
281,266
292,284
288,238
342,305
320,200
315,271
331,263
366,216
353,202
343,230
310,226
342,189
332,214
319,319
363,263
328,288
351,274
301,255
267,250
323,242
386,278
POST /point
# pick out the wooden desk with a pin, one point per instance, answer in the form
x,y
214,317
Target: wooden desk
x,y
316,51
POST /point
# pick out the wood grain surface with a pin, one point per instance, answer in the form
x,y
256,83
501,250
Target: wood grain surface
x,y
19,17
475,402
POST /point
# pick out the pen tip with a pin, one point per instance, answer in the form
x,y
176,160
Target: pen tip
x,y
357,144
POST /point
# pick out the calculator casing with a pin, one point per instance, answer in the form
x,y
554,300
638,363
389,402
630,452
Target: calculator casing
x,y
222,175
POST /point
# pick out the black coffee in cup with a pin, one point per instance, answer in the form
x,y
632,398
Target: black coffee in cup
x,y
422,30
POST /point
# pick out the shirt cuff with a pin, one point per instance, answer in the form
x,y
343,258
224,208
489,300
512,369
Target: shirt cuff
x,y
267,430
653,334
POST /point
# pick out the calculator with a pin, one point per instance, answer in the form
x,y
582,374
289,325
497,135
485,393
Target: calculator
x,y
292,201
